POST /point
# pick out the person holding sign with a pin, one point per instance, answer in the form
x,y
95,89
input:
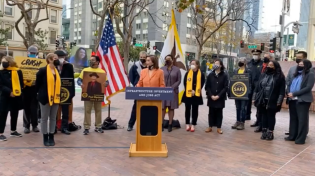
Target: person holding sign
x,y
193,82
268,97
94,68
216,88
11,85
48,85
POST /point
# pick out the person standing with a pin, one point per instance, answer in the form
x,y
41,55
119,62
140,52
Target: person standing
x,y
31,107
216,88
88,105
194,81
256,68
48,85
65,70
239,103
300,99
11,87
172,78
268,97
134,75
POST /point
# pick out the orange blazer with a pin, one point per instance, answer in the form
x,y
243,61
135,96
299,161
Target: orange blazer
x,y
156,79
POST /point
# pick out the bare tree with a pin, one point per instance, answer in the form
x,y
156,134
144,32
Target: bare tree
x,y
31,24
217,13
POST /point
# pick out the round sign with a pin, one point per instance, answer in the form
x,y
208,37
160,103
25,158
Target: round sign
x,y
239,89
64,95
84,95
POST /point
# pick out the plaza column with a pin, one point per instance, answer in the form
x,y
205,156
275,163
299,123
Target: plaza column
x,y
311,32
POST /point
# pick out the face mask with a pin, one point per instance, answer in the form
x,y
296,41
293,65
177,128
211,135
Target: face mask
x,y
92,64
142,61
215,67
61,60
193,67
269,70
56,62
32,55
300,68
255,57
298,60
266,60
240,64
168,62
5,64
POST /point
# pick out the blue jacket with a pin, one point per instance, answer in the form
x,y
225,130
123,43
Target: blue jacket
x,y
134,73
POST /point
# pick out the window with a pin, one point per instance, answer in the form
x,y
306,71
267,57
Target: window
x,y
138,26
10,33
145,14
79,41
53,37
100,5
138,36
54,1
189,20
166,4
144,25
8,11
145,37
53,16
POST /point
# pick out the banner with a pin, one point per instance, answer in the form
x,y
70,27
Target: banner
x,y
66,85
80,58
93,86
29,66
239,85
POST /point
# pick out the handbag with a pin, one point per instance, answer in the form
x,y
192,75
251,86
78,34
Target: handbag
x,y
259,98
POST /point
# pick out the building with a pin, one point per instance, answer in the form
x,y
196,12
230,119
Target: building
x,y
303,32
254,15
12,13
66,29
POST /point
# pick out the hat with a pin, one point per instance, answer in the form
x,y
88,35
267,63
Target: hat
x,y
32,49
94,74
60,53
256,51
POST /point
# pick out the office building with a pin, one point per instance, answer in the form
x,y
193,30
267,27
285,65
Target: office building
x,y
304,17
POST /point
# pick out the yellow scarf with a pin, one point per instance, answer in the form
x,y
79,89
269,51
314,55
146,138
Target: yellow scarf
x,y
16,86
189,84
53,87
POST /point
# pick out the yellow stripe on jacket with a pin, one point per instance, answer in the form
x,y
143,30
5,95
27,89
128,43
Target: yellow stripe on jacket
x,y
189,84
53,87
16,86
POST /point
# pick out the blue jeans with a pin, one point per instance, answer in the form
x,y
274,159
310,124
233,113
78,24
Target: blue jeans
x,y
241,107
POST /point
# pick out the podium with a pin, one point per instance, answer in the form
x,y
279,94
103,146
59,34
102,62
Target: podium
x,y
149,120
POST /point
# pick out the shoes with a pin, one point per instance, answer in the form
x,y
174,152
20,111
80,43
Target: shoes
x,y
263,134
170,127
15,134
254,124
86,132
45,138
3,138
219,131
192,128
129,128
241,126
208,130
99,130
235,125
287,133
26,130
51,139
187,127
65,131
35,129
269,135
258,129
288,139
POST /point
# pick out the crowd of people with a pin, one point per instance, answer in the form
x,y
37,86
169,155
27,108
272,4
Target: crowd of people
x,y
267,89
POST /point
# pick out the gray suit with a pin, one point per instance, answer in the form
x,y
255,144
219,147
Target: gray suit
x,y
290,76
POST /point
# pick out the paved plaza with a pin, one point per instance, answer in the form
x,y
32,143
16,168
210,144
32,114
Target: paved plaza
x,y
199,153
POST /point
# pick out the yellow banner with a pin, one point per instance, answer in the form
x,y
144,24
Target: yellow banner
x,y
29,66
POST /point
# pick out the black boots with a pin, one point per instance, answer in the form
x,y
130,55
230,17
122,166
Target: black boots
x,y
45,137
170,127
267,135
51,139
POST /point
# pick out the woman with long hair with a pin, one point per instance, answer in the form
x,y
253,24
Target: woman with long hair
x,y
300,99
268,97
216,88
48,85
11,85
80,59
193,83
172,78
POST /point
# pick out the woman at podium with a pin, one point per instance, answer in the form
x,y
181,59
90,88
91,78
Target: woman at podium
x,y
152,76
193,82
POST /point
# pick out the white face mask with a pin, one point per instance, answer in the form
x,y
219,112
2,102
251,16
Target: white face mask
x,y
255,57
61,60
192,67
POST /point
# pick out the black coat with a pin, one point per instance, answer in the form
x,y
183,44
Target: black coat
x,y
8,103
255,68
194,100
217,85
41,85
277,91
68,72
96,89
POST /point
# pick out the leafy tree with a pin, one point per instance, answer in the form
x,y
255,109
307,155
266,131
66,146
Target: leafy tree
x,y
133,51
4,36
41,39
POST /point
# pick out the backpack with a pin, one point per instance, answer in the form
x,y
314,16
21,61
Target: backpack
x,y
109,124
73,127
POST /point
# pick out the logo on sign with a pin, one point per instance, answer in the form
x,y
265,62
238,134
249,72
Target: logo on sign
x,y
239,89
64,95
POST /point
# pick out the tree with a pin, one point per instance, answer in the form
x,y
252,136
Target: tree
x,y
31,24
133,52
216,13
41,39
4,36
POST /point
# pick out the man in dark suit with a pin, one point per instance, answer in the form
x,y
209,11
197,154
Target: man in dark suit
x,y
66,71
94,87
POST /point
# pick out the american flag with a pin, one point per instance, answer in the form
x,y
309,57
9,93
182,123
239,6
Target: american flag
x,y
111,61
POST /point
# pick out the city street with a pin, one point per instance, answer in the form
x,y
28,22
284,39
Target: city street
x,y
198,153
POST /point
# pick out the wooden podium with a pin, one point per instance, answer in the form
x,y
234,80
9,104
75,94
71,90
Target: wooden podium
x,y
149,121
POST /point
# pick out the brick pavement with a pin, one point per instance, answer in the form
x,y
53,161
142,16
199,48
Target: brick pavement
x,y
198,153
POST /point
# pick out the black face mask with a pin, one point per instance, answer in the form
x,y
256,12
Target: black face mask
x,y
300,68
240,64
56,62
298,60
270,70
5,64
168,62
142,61
266,60
92,64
